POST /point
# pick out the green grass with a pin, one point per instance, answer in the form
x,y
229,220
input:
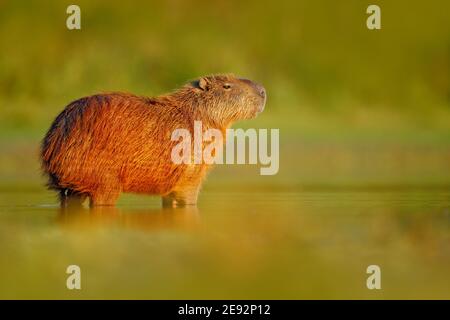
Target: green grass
x,y
316,58
371,97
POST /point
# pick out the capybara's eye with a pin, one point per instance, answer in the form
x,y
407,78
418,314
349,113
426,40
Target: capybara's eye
x,y
227,86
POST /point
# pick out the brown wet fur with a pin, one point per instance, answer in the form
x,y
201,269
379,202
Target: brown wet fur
x,y
102,145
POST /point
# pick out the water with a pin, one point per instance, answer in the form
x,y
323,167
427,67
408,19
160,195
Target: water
x,y
278,244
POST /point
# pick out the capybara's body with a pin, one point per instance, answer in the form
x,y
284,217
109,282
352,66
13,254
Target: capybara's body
x,y
106,144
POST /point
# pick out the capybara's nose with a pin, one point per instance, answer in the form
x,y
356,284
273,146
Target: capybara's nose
x,y
259,88
262,92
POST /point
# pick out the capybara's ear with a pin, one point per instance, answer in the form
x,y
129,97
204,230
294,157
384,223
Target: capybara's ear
x,y
203,84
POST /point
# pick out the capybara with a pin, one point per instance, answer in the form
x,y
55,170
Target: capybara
x,y
105,144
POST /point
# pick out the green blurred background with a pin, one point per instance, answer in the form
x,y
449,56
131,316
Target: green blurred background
x,y
379,101
364,119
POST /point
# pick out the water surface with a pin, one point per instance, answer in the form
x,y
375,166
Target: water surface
x,y
270,244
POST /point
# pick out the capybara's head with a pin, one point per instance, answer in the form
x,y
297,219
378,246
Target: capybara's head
x,y
226,98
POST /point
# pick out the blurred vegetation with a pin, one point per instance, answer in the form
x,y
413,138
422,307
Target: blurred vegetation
x,y
321,65
328,77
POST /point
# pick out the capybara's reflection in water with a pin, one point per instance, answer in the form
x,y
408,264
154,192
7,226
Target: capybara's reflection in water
x,y
186,218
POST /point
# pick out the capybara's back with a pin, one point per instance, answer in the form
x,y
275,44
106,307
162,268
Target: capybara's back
x,y
105,144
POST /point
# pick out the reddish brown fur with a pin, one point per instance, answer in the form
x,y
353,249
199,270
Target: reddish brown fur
x,y
106,144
